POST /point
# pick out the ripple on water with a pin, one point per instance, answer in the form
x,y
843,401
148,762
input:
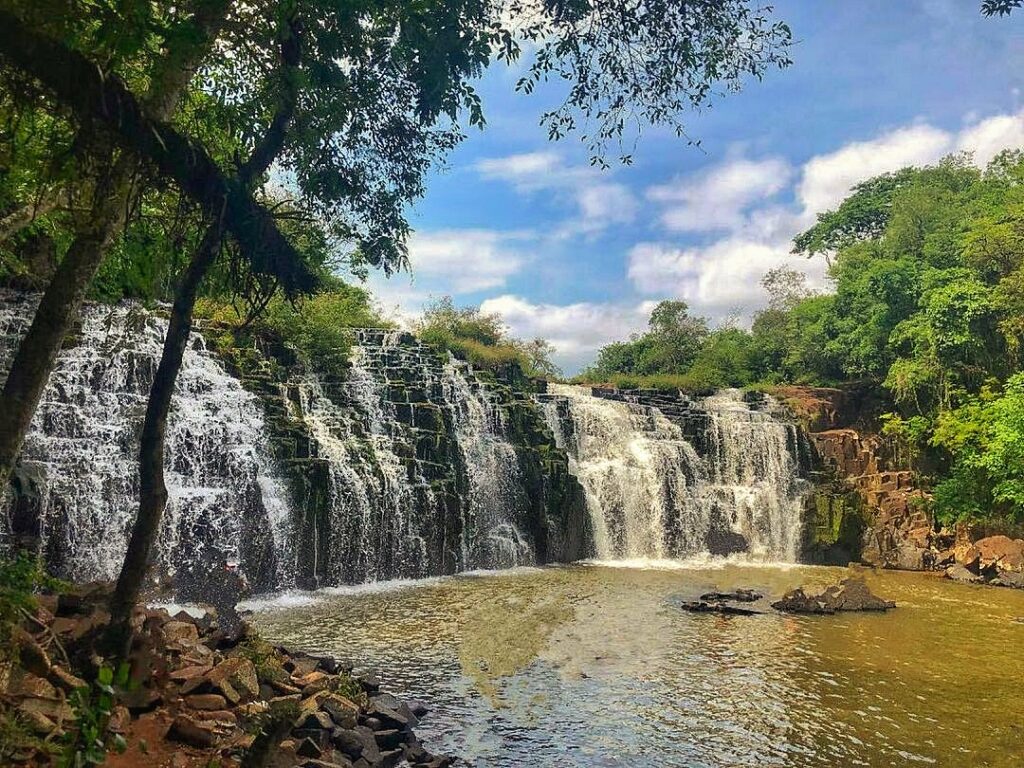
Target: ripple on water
x,y
596,666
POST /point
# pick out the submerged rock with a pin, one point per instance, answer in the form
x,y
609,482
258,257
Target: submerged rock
x,y
703,606
963,575
850,594
737,595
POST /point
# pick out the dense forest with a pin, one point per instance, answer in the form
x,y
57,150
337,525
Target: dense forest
x,y
927,305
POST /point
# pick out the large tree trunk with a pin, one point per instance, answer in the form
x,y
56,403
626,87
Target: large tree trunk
x,y
152,491
37,352
60,305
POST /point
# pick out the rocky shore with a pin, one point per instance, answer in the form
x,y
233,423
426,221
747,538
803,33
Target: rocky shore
x,y
189,695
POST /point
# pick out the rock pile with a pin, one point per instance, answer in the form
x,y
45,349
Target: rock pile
x,y
200,697
850,594
996,560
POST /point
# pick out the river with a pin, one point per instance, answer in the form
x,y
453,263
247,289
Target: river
x,y
596,665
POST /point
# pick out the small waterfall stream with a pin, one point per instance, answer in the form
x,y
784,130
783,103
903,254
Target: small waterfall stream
x,y
683,477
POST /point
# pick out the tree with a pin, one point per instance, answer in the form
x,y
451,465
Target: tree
x,y
110,172
377,99
674,339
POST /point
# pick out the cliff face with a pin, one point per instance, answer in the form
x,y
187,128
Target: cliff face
x,y
866,506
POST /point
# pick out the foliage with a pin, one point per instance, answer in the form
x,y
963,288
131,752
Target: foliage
x,y
89,742
483,339
317,326
985,437
268,661
927,270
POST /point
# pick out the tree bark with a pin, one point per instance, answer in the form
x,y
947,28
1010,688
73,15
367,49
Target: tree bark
x,y
18,219
152,490
37,352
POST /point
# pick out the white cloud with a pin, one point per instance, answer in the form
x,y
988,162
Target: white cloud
x,y
527,171
988,138
466,260
599,202
826,179
720,197
715,280
576,331
740,197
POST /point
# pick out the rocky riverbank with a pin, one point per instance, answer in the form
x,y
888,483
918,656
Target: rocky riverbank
x,y
190,695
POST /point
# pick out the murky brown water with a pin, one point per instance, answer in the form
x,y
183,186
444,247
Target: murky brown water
x,y
596,666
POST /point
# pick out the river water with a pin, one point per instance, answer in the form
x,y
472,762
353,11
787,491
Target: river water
x,y
596,665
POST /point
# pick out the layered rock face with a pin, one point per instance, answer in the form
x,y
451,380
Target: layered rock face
x,y
867,506
411,464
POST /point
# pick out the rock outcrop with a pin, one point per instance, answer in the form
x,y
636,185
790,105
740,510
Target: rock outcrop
x,y
850,594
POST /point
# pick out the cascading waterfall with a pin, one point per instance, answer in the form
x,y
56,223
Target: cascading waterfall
x,y
78,471
496,493
409,465
682,477
422,477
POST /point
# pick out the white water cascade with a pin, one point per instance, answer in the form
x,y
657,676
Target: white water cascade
x,y
422,477
683,477
79,461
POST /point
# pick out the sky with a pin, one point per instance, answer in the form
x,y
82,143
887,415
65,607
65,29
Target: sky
x,y
526,228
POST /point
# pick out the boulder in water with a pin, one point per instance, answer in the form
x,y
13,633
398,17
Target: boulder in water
x,y
961,574
850,594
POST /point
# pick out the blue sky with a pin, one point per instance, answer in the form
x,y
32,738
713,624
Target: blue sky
x,y
524,227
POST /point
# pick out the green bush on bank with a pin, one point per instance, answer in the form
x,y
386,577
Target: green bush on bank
x,y
318,327
483,340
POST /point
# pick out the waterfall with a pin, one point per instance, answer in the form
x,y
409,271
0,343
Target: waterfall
x,y
673,477
407,464
78,473
423,478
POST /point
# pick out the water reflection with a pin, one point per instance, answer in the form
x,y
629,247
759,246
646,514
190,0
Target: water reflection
x,y
595,666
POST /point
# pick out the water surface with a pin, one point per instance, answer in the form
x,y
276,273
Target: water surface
x,y
591,665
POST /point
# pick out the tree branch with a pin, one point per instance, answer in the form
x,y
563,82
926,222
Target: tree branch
x,y
93,95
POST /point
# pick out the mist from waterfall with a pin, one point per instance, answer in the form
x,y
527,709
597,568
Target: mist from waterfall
x,y
701,475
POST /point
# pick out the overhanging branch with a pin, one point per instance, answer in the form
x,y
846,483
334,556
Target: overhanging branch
x,y
95,96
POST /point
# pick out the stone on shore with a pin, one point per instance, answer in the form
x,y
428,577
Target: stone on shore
x,y
962,574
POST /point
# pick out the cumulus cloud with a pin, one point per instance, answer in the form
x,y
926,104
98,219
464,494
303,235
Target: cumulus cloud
x,y
598,201
576,330
717,280
987,138
744,199
467,260
826,179
719,198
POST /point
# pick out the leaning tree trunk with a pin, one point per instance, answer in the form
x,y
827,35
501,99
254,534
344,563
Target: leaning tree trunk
x,y
37,352
152,490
